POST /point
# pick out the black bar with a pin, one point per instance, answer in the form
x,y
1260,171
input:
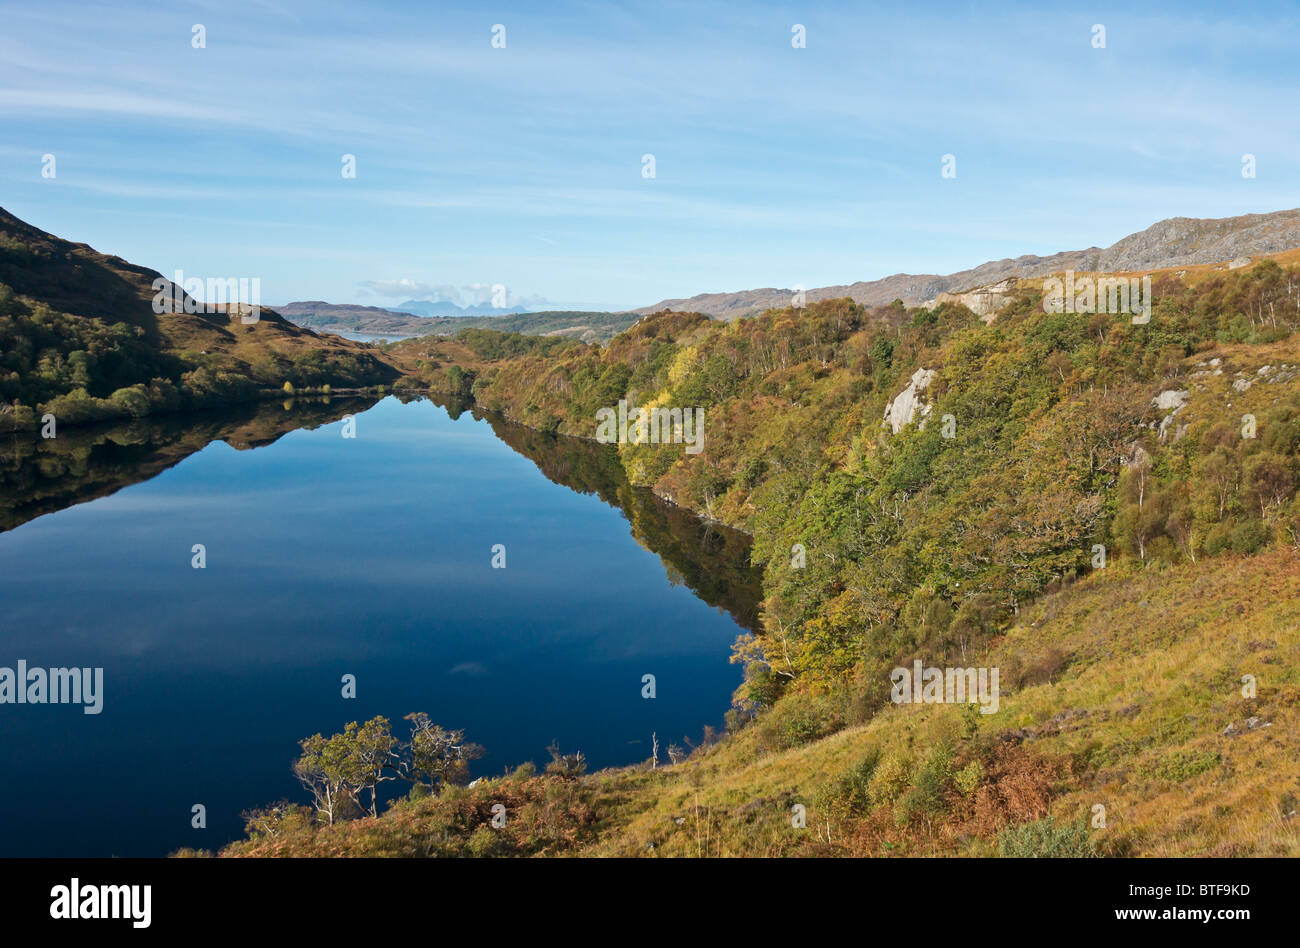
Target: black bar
x,y
943,898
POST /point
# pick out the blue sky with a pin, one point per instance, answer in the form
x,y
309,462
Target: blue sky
x,y
522,166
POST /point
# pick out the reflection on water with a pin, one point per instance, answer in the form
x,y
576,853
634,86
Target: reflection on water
x,y
329,556
39,475
367,336
712,560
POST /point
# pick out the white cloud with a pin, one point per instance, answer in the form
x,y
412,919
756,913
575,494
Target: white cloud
x,y
472,294
413,290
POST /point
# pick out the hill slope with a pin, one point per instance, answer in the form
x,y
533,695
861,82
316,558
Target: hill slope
x,y
1128,700
80,339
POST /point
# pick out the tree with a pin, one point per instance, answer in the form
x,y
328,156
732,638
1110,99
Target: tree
x,y
327,771
374,750
1144,509
133,401
435,755
1268,480
1059,364
1219,475
338,769
278,819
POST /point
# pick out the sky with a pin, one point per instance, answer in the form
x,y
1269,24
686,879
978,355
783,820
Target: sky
x,y
522,164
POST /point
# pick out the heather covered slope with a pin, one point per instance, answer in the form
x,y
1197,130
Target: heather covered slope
x,y
79,339
1117,692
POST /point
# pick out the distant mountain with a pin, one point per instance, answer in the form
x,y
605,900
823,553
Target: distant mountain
x,y
395,319
447,308
1177,241
345,317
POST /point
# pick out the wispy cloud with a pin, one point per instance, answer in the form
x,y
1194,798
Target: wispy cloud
x,y
774,165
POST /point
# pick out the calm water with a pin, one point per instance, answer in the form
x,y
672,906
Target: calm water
x,y
369,336
328,556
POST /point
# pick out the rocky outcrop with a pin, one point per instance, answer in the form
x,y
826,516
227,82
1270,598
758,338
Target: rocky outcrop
x,y
1171,401
983,301
908,405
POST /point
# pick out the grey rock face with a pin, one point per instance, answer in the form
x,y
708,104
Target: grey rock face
x,y
908,404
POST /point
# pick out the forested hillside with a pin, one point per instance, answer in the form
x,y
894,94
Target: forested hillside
x,y
1046,436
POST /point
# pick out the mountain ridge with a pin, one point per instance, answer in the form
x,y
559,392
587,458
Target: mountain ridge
x,y
1174,241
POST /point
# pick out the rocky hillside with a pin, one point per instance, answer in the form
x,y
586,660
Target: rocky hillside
x,y
1178,241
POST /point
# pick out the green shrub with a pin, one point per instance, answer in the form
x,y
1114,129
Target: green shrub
x,y
799,719
849,794
485,842
1218,539
1182,765
1250,536
967,780
927,796
1046,839
891,777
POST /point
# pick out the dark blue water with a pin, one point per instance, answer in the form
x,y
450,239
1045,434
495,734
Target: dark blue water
x,y
329,556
